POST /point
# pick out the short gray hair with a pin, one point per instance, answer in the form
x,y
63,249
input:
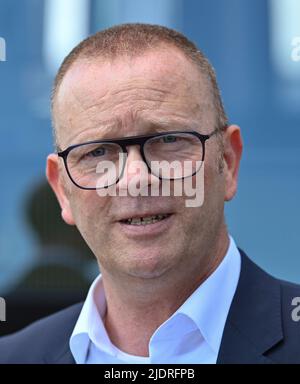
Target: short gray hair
x,y
134,40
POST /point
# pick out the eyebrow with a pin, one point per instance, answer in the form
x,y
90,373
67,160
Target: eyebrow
x,y
111,128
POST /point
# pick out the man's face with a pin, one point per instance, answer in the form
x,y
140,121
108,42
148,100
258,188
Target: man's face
x,y
156,92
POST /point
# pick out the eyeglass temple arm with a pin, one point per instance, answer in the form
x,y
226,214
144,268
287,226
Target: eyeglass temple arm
x,y
217,130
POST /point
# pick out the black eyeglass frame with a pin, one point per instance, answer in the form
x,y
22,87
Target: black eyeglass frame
x,y
134,140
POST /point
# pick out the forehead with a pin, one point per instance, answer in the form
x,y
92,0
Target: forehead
x,y
160,84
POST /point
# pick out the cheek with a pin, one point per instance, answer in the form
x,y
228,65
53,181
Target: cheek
x,y
90,211
91,214
214,175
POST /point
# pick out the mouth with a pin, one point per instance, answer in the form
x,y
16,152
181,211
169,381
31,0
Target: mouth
x,y
145,220
146,226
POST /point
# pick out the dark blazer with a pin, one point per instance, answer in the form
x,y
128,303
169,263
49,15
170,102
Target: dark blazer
x,y
259,327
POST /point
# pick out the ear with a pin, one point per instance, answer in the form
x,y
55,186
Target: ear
x,y
233,147
55,179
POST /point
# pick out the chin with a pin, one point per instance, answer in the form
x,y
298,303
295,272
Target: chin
x,y
147,267
146,274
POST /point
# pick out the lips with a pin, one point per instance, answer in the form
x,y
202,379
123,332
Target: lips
x,y
146,227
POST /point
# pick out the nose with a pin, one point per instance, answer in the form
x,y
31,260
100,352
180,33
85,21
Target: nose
x,y
136,175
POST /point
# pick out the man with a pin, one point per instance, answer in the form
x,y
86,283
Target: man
x,y
174,288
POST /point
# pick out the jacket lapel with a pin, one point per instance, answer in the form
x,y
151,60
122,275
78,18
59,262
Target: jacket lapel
x,y
253,324
66,357
61,353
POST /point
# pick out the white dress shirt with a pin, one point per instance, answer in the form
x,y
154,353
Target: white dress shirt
x,y
192,334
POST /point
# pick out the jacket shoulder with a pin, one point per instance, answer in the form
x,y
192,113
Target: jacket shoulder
x,y
263,324
43,337
288,350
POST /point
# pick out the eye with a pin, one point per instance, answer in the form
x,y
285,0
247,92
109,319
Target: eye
x,y
100,151
169,139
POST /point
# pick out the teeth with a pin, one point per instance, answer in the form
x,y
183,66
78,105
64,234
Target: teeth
x,y
145,220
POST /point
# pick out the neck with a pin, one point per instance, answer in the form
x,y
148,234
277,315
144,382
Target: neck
x,y
153,301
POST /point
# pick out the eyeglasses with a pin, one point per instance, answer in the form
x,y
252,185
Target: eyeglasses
x,y
169,155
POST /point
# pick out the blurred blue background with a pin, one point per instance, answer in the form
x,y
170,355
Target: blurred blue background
x,y
249,43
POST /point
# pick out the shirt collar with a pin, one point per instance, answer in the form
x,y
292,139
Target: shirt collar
x,y
90,326
209,304
206,309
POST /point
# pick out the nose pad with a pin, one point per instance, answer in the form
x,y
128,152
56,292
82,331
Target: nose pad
x,y
136,177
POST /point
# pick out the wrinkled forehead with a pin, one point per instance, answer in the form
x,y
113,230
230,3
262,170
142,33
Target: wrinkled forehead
x,y
161,82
